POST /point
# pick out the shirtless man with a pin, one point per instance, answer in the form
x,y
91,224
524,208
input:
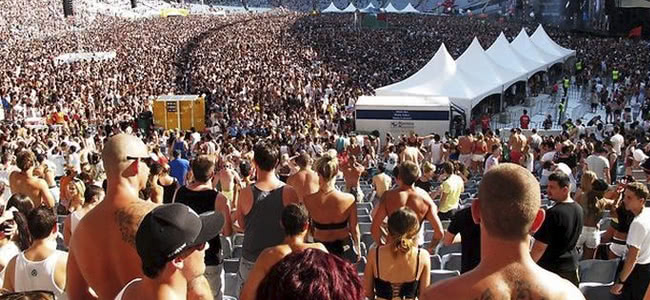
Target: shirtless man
x,y
491,139
227,179
506,270
466,146
295,222
412,154
406,194
352,171
305,181
24,182
517,141
111,226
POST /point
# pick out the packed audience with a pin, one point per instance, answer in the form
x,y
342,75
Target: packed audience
x,y
281,164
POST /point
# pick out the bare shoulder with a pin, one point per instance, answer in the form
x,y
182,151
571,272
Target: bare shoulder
x,y
128,219
552,286
318,246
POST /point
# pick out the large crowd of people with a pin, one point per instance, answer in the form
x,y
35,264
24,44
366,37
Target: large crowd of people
x,y
281,163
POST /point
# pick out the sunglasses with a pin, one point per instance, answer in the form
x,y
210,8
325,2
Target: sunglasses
x,y
146,159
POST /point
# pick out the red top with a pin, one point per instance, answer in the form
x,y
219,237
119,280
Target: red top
x,y
524,120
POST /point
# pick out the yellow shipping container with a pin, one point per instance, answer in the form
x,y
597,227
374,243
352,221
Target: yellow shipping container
x,y
179,112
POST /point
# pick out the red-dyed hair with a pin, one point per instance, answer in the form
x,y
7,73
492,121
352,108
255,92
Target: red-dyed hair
x,y
311,274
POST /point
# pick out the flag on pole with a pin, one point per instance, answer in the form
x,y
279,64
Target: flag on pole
x,y
635,32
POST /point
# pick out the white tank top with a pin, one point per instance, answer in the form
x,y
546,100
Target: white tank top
x,y
75,217
121,293
37,275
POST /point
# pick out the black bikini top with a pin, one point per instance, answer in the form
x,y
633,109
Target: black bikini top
x,y
404,290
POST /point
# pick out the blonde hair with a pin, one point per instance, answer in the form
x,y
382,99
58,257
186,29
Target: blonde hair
x,y
427,167
327,167
81,188
403,228
587,180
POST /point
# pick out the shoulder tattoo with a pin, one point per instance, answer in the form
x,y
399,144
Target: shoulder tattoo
x,y
128,219
522,291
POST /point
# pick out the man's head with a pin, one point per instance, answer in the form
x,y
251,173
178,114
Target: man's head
x,y
25,160
124,158
525,112
93,194
636,194
303,160
408,172
496,150
41,222
295,219
448,168
558,186
520,202
203,168
172,237
266,157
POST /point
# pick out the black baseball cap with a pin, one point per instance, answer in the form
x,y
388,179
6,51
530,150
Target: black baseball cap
x,y
171,228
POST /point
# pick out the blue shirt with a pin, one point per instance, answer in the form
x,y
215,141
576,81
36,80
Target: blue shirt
x,y
178,168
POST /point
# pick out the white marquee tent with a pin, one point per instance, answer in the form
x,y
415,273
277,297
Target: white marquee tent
x,y
525,47
501,53
369,7
478,73
475,58
541,39
409,9
390,8
350,8
331,9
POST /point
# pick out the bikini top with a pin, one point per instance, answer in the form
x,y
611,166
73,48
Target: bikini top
x,y
404,290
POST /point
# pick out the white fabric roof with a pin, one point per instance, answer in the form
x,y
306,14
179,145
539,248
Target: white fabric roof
x,y
525,47
541,39
502,53
475,59
390,8
478,73
350,8
409,9
331,9
401,101
370,6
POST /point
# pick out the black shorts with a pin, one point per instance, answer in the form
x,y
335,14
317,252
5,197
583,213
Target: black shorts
x,y
637,283
594,105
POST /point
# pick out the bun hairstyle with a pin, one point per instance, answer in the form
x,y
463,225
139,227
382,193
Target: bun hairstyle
x,y
327,166
403,227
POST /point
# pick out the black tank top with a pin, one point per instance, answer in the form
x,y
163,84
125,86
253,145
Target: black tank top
x,y
202,202
262,223
168,191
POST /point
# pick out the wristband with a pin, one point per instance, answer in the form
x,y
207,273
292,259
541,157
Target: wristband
x,y
618,280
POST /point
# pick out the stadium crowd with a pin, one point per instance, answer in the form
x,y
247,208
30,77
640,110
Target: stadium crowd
x,y
280,90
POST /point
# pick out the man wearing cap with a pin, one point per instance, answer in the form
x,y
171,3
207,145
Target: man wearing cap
x,y
110,228
171,242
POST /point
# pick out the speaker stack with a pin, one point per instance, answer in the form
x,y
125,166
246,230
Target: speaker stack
x,y
67,8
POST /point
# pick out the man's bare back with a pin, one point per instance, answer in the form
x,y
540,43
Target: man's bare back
x,y
103,246
352,174
512,282
465,144
414,199
34,188
305,182
226,179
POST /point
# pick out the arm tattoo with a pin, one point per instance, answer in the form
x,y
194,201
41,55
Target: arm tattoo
x,y
128,219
